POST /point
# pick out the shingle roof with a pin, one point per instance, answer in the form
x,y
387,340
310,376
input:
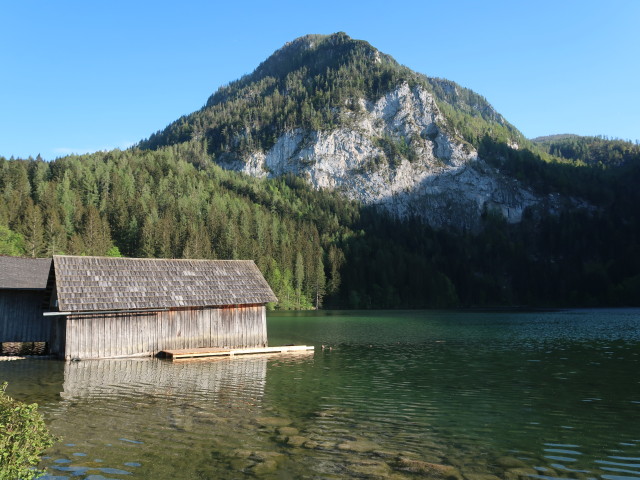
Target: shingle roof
x,y
17,273
105,283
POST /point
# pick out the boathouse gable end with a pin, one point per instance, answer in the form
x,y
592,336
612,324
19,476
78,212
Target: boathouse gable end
x,y
20,273
22,289
120,307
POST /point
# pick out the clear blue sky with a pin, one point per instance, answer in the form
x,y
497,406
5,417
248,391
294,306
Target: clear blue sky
x,y
81,76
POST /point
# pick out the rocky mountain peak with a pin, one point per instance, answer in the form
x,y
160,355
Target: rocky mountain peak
x,y
396,152
347,117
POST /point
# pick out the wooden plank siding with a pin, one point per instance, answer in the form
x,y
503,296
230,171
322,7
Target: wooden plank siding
x,y
147,333
58,336
21,317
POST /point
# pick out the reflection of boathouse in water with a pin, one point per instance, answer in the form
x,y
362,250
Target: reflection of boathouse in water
x,y
157,378
113,307
145,400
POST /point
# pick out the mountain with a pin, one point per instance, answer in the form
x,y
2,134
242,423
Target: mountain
x,y
346,117
549,222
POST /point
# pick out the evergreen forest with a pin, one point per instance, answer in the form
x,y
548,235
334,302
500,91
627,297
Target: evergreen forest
x,y
318,249
167,197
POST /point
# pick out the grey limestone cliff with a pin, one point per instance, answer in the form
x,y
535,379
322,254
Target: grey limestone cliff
x,y
397,153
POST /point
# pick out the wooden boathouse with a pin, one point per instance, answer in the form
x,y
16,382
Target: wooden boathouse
x,y
22,291
103,307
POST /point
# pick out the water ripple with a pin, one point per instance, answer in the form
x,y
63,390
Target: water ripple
x,y
559,450
560,459
448,388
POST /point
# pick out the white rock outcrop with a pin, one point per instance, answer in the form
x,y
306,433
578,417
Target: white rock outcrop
x,y
429,173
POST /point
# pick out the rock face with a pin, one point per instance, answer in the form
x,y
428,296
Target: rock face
x,y
397,153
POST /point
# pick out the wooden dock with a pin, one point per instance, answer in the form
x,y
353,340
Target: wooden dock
x,y
220,352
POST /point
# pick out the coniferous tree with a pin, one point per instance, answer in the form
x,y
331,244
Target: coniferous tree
x,y
32,230
96,235
320,282
299,276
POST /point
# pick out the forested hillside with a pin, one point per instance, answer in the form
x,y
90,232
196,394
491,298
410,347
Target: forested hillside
x,y
597,151
315,247
155,204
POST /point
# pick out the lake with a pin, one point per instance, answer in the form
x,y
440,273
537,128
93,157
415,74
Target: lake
x,y
409,394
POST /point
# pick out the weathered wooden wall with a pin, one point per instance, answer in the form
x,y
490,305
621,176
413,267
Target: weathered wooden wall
x,y
128,334
21,317
58,335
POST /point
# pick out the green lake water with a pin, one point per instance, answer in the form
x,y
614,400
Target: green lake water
x,y
506,395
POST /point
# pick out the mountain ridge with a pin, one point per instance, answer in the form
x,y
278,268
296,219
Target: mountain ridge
x,y
589,150
318,99
335,51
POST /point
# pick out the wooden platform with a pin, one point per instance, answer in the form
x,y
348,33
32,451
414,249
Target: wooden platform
x,y
219,352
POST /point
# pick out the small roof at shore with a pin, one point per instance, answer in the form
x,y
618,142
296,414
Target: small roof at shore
x,y
107,283
18,273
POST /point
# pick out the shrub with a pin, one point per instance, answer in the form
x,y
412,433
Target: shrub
x,y
23,438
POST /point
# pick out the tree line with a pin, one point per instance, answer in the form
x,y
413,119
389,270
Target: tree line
x,y
157,204
316,248
595,151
